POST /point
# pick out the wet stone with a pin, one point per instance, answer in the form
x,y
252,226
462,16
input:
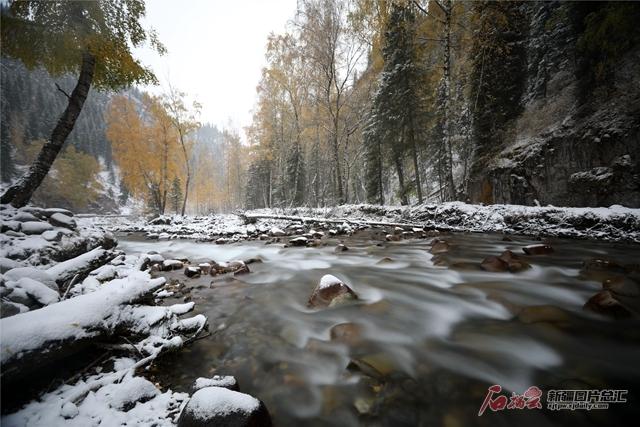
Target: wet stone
x,y
538,249
605,303
341,248
439,247
330,288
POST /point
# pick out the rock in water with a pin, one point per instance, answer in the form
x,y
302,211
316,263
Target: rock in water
x,y
220,407
298,241
341,248
494,264
62,220
330,288
192,271
604,303
538,249
506,261
439,247
171,264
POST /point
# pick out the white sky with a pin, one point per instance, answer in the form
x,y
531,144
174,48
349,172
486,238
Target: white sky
x,y
215,51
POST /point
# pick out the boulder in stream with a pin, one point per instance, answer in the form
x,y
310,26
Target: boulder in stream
x,y
192,272
507,261
330,292
439,247
538,249
605,303
341,248
221,407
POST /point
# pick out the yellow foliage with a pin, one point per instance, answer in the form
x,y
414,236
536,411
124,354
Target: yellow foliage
x,y
145,145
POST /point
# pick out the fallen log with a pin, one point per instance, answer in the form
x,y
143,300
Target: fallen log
x,y
33,339
80,266
249,218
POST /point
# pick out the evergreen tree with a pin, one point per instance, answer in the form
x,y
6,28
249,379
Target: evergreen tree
x,y
175,195
397,106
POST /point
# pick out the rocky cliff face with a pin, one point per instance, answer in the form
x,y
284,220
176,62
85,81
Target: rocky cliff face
x,y
575,140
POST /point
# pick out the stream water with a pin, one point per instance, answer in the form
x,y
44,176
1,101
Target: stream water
x,y
424,342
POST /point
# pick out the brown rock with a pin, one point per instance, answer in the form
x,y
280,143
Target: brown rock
x,y
341,248
513,261
393,237
192,271
349,333
604,303
330,288
439,247
538,249
494,264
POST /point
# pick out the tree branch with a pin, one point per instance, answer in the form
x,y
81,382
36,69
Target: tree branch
x,y
61,90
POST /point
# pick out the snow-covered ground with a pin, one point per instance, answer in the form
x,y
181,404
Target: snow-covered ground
x,y
612,223
60,288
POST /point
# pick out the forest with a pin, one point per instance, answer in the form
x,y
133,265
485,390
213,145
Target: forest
x,y
360,102
408,213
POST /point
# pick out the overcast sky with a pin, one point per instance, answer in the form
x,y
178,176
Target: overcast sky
x,y
215,51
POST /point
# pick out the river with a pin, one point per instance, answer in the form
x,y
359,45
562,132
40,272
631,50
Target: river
x,y
423,342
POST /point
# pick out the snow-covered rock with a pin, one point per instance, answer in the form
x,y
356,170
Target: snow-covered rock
x,y
34,273
35,227
276,232
62,220
225,381
36,290
330,291
217,406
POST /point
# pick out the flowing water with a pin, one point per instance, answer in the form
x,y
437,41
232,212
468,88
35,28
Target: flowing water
x,y
424,342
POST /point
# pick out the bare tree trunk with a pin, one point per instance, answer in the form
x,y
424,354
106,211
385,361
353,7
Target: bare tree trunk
x,y
188,180
20,193
416,165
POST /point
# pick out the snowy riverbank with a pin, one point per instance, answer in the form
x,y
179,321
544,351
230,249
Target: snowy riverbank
x,y
615,223
66,293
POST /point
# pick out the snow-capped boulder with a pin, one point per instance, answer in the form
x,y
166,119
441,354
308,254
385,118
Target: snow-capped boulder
x,y
42,276
192,271
276,232
10,225
62,220
38,291
124,396
172,264
299,241
330,291
225,381
205,267
24,217
35,227
52,211
217,406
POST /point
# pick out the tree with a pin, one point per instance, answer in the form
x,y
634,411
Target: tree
x,y
397,106
93,39
175,195
184,121
145,145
